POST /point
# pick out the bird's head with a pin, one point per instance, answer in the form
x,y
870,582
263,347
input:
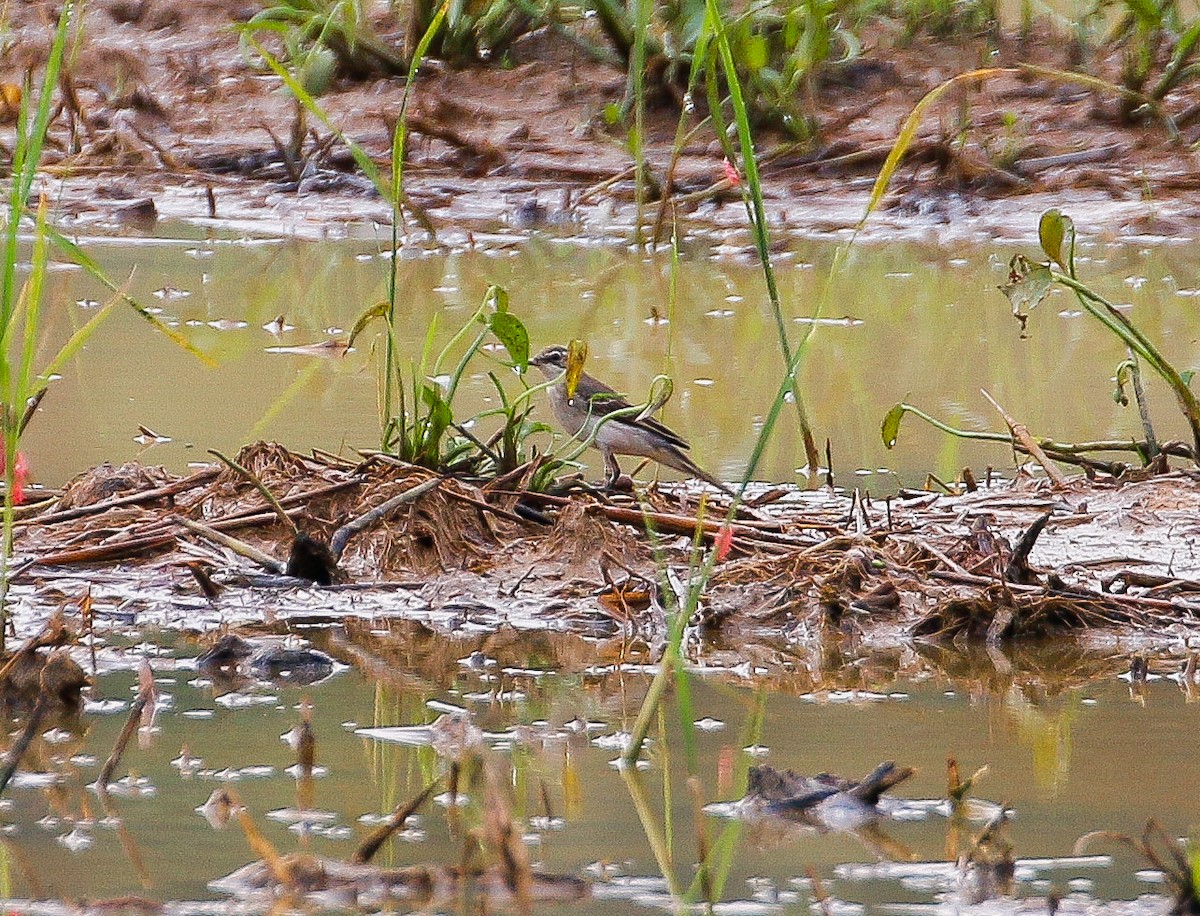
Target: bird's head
x,y
552,361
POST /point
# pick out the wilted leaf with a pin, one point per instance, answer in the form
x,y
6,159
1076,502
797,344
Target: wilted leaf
x,y
1124,376
1056,232
512,333
661,390
378,310
1028,284
891,425
10,102
577,352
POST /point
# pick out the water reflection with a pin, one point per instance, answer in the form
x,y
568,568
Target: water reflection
x,y
902,321
1065,745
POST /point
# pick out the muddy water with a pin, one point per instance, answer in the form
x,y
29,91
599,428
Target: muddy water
x,y
1068,759
902,320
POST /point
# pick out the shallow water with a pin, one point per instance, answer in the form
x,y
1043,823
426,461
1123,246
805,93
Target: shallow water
x,y
903,320
1069,753
1069,756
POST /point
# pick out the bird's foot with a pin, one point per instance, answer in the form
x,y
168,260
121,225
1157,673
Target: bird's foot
x,y
622,483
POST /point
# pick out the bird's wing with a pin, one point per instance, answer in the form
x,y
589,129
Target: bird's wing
x,y
605,400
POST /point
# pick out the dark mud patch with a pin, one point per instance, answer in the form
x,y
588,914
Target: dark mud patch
x,y
169,119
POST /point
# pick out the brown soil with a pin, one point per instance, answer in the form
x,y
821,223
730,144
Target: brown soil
x,y
167,107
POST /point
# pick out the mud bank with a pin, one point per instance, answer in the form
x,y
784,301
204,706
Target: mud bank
x,y
168,118
1015,560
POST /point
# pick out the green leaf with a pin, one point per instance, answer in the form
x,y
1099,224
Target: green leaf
x,y
75,342
437,422
661,390
755,52
378,310
891,425
908,131
511,332
1054,231
1187,375
497,297
1028,284
316,75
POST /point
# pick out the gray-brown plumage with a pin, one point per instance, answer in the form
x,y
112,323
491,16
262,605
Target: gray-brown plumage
x,y
581,417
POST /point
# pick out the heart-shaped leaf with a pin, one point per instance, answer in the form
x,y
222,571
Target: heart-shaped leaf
x,y
891,425
512,333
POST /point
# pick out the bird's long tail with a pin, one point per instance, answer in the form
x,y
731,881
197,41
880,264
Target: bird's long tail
x,y
681,462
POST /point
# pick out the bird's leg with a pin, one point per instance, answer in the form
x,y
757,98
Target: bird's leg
x,y
612,469
613,478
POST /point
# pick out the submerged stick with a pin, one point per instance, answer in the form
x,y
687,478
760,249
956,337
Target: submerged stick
x,y
144,696
17,751
502,835
371,845
306,758
259,844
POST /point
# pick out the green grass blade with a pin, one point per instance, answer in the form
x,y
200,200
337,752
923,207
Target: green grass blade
x,y
41,122
84,260
908,131
33,308
753,197
75,343
27,153
363,160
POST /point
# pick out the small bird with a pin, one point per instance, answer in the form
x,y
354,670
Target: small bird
x,y
625,435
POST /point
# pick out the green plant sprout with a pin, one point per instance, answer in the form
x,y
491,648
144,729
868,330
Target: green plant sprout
x,y
1028,285
22,385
